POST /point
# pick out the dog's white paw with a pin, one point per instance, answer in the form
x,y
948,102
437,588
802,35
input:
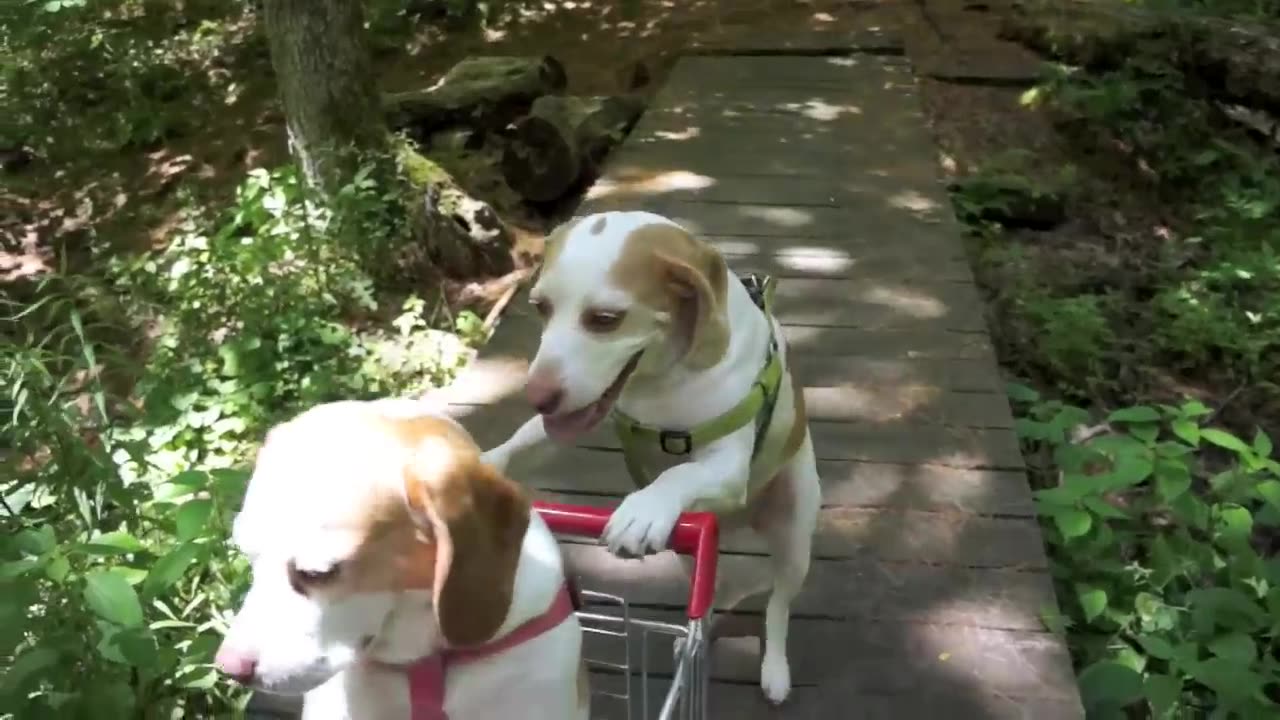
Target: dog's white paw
x,y
775,677
642,523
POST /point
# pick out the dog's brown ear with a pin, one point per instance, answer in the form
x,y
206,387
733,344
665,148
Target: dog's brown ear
x,y
478,519
696,281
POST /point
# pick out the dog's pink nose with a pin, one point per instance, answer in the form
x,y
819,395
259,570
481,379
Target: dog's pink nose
x,y
544,393
236,664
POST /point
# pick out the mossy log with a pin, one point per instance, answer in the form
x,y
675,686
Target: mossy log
x,y
464,236
486,93
563,140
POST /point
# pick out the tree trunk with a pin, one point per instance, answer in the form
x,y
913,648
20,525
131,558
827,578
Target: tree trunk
x,y
336,123
324,73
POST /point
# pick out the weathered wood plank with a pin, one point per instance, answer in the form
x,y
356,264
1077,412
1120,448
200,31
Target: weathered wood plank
x,y
940,692
861,588
881,657
868,485
836,73
888,442
942,538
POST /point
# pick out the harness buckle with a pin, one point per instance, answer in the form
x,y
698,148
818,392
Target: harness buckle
x,y
667,437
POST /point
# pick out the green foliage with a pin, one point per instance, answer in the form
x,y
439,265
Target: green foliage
x,y
119,479
1160,534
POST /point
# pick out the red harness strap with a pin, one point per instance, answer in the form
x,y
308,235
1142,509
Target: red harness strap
x,y
427,676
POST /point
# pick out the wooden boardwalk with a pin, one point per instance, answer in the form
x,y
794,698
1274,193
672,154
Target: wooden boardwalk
x,y
929,575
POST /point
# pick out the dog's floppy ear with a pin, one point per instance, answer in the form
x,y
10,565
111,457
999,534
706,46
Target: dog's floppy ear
x,y
696,279
478,519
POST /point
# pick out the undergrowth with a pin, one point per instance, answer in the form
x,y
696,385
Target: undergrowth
x,y
1162,518
132,401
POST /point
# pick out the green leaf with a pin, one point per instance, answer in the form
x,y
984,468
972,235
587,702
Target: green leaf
x,y
112,598
1130,470
1187,430
118,542
1262,444
1172,480
191,518
1236,647
1270,491
1225,440
1107,685
1163,692
1093,601
1226,607
1232,680
1072,523
170,568
1156,646
28,663
1235,523
202,681
1194,408
1020,393
1137,414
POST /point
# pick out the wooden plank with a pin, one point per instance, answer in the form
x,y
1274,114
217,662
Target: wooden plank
x,y
931,488
890,442
709,185
835,73
740,159
882,657
517,340
939,693
738,42
940,538
862,588
899,215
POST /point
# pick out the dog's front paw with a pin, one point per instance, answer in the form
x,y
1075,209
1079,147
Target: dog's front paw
x,y
642,523
775,677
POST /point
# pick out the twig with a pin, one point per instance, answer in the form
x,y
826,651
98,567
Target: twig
x,y
491,318
1223,406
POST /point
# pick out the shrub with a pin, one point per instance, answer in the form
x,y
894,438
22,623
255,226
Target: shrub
x,y
1161,532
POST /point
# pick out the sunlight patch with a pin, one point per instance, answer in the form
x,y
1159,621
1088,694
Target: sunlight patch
x,y
912,303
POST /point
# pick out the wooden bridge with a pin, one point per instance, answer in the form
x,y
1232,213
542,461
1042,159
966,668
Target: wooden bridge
x,y
929,575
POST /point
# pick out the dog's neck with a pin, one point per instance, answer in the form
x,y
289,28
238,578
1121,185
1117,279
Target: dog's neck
x,y
412,633
659,390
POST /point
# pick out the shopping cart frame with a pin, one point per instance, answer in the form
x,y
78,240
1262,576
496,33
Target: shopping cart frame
x,y
696,535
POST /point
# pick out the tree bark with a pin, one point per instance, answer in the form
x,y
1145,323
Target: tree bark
x,y
324,73
336,123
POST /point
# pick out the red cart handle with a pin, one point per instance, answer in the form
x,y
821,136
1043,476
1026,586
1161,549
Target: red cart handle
x,y
696,534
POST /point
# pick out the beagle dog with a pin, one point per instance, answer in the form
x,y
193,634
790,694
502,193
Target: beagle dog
x,y
645,323
397,577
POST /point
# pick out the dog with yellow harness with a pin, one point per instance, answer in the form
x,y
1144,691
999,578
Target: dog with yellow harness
x,y
645,325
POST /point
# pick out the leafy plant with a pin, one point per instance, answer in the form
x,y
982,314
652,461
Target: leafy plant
x,y
119,479
1161,532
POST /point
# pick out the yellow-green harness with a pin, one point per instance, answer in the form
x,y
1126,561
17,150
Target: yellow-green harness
x,y
756,407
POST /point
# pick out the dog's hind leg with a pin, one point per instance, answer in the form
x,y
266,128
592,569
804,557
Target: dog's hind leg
x,y
787,522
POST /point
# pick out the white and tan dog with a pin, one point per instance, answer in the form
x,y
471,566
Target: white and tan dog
x,y
397,577
644,319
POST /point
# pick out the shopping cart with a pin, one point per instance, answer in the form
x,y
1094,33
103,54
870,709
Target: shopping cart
x,y
609,617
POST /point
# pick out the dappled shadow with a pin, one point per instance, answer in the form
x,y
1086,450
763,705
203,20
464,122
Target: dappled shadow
x,y
930,574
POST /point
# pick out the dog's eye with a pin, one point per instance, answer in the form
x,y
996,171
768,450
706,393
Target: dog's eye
x,y
600,321
302,579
